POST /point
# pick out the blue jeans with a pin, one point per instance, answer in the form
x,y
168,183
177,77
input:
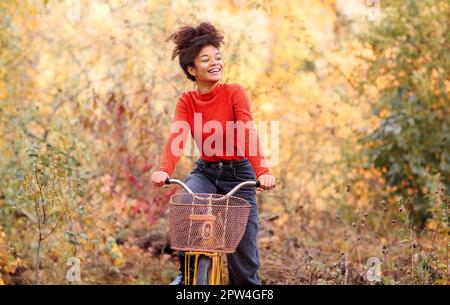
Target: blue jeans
x,y
220,178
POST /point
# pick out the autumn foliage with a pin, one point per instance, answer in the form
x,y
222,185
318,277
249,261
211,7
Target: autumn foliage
x,y
87,95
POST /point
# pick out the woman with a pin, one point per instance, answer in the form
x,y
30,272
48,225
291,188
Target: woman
x,y
229,158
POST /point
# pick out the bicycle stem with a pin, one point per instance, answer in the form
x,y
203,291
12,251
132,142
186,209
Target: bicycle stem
x,y
230,193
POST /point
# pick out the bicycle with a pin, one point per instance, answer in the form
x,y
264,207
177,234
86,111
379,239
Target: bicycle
x,y
206,226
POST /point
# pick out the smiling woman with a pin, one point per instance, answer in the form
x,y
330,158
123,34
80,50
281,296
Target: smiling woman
x,y
217,172
208,66
197,48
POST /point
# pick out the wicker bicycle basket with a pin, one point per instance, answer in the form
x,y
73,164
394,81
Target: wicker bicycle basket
x,y
207,222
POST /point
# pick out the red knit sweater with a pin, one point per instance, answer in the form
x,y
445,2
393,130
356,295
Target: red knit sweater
x,y
224,103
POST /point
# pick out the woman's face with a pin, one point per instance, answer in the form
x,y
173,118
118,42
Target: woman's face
x,y
208,65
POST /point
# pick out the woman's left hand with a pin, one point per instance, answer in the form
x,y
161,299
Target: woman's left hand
x,y
267,182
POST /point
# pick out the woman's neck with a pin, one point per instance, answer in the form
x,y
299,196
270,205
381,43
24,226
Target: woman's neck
x,y
206,87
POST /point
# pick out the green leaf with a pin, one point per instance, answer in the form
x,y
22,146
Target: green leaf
x,y
45,160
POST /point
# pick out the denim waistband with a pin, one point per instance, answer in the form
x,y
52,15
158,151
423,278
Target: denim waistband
x,y
228,163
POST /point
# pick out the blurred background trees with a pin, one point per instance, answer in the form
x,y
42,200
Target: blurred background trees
x,y
87,94
410,66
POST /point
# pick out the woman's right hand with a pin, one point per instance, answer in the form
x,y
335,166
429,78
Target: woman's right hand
x,y
159,178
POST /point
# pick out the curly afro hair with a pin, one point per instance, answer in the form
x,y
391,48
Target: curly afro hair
x,y
190,40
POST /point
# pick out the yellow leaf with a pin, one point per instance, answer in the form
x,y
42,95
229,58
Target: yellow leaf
x,y
3,90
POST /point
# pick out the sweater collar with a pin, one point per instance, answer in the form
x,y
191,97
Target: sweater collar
x,y
209,95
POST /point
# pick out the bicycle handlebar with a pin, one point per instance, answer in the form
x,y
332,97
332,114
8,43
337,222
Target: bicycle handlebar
x,y
230,193
179,182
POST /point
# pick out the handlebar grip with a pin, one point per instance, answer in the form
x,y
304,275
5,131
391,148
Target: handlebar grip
x,y
258,184
167,181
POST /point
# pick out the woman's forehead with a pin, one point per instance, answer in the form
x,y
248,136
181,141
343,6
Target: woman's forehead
x,y
208,51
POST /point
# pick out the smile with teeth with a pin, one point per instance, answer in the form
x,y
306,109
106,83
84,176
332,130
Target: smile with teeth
x,y
214,71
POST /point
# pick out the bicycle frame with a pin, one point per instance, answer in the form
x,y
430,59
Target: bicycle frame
x,y
216,275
